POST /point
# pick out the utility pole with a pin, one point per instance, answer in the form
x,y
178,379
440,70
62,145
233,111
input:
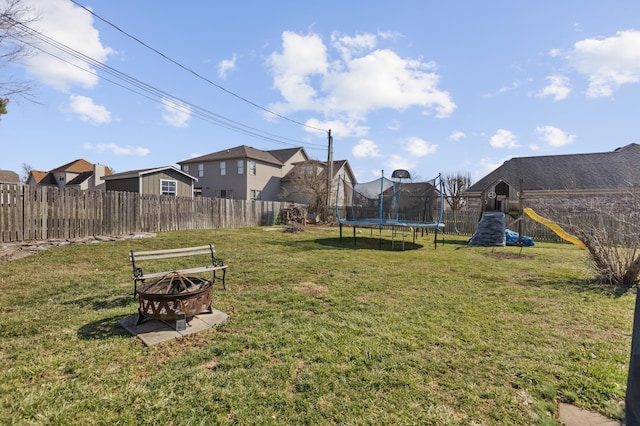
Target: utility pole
x,y
329,173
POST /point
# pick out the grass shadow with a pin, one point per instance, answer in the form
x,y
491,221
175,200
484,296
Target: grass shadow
x,y
99,303
579,286
368,243
102,329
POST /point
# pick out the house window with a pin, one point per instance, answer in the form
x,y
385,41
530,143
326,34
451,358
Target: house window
x,y
255,194
252,167
226,193
168,187
200,170
223,168
185,168
240,167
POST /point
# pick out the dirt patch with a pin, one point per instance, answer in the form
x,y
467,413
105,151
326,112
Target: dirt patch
x,y
310,288
502,255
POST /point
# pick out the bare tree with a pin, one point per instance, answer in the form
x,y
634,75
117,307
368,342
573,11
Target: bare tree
x,y
610,232
455,184
26,172
307,185
15,15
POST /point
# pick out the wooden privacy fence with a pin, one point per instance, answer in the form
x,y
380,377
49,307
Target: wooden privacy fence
x,y
466,222
42,213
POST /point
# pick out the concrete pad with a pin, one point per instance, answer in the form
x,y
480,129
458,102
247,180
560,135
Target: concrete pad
x,y
152,331
570,415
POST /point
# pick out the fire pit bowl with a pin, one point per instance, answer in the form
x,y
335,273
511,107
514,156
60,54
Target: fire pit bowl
x,y
173,295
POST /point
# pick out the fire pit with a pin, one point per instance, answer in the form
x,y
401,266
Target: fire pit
x,y
174,297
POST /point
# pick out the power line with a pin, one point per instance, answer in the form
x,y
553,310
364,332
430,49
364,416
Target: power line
x,y
192,71
158,95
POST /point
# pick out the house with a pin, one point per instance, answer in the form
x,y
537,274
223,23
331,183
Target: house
x,y
7,176
166,180
306,183
568,182
78,174
243,172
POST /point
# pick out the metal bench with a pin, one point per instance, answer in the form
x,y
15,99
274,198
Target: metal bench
x,y
214,264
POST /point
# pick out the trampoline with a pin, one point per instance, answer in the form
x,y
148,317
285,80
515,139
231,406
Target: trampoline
x,y
394,204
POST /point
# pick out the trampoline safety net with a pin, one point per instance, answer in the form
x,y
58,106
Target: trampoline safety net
x,y
387,201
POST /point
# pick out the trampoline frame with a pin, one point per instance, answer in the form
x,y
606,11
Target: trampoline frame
x,y
395,225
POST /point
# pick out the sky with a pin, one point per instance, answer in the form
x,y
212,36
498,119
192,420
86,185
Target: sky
x,y
427,86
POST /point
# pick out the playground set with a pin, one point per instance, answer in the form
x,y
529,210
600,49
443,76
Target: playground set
x,y
491,230
405,207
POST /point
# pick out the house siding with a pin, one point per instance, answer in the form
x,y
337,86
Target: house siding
x,y
126,185
151,183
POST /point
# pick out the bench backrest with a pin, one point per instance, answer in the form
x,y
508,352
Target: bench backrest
x,y
139,256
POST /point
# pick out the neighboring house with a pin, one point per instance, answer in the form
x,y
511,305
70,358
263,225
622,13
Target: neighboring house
x,y
568,182
243,172
166,180
78,174
7,176
306,183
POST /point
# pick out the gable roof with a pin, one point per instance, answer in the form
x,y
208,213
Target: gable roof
x,y
43,178
76,166
618,169
285,155
338,165
80,178
141,172
81,167
238,152
7,176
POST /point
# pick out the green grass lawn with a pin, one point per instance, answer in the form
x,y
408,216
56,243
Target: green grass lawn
x,y
319,332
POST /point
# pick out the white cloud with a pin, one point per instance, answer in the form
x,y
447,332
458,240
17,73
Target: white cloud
x,y
396,162
348,46
343,129
88,110
365,149
73,27
558,88
504,139
393,125
457,135
419,147
554,52
355,82
608,63
175,113
117,150
554,137
512,86
226,66
301,57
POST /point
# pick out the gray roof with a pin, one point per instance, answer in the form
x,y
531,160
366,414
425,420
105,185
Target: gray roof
x,y
617,169
239,152
285,155
80,178
7,176
141,172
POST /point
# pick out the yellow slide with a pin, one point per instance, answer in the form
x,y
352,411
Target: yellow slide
x,y
554,227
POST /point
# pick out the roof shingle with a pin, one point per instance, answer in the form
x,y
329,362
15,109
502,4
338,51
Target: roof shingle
x,y
617,169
